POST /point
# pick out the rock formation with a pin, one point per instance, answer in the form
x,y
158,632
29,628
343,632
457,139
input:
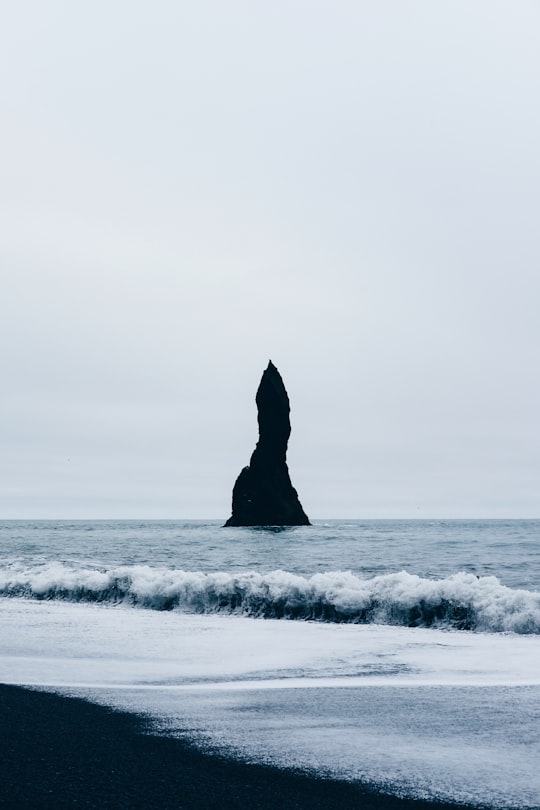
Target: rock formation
x,y
263,494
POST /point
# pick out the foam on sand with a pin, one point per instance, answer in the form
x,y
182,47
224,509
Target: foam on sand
x,y
420,685
419,712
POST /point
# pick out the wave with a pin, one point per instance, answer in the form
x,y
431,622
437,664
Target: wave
x,y
461,601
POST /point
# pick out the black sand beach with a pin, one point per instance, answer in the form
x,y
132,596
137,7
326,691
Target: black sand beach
x,y
59,752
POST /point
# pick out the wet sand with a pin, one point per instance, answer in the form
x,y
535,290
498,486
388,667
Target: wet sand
x,y
60,752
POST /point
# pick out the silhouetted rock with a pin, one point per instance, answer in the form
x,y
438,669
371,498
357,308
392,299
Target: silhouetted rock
x,y
263,494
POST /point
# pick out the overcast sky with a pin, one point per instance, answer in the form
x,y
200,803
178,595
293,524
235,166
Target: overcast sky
x,y
351,189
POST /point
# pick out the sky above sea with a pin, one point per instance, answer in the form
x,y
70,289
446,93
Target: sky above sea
x,y
189,190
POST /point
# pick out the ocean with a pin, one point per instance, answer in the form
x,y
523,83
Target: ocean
x,y
403,654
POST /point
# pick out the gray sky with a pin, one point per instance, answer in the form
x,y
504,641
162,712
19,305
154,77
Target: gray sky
x,y
351,189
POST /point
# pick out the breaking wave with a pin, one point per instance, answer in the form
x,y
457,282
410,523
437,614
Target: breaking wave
x,y
461,601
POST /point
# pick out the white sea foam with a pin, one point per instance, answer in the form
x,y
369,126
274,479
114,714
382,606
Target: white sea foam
x,y
57,642
461,601
421,712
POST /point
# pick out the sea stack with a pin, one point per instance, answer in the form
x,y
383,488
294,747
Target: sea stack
x,y
263,494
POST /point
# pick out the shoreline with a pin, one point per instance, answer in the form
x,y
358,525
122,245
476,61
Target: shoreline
x,y
60,752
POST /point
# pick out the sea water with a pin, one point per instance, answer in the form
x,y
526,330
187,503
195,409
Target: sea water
x,y
401,653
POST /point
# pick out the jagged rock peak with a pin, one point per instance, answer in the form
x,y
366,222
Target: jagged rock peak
x,y
263,494
273,410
